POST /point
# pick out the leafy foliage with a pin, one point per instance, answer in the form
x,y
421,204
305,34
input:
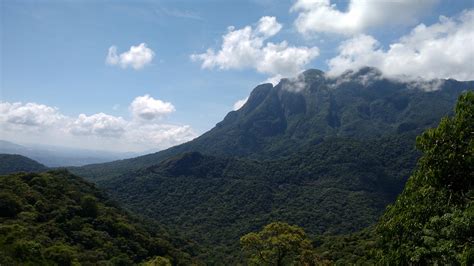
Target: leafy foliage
x,y
358,248
278,244
12,163
432,221
57,218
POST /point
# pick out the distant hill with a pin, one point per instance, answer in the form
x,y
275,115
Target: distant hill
x,y
12,163
55,218
53,156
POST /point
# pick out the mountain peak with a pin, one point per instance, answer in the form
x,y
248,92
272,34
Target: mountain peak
x,y
312,72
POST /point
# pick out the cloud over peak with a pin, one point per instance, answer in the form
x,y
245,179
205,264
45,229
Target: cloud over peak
x,y
435,51
322,16
137,57
248,48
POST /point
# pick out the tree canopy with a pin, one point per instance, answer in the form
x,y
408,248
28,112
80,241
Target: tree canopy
x,y
278,244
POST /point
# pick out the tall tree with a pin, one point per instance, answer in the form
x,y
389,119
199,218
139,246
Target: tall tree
x,y
278,244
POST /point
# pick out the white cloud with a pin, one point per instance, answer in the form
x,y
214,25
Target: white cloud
x,y
148,108
137,57
31,115
160,135
100,124
248,48
144,130
435,51
322,16
238,104
268,26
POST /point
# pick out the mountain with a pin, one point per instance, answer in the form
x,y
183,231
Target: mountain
x,y
277,121
56,218
12,163
54,156
324,153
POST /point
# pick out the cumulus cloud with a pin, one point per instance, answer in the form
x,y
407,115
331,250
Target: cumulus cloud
x,y
248,48
137,57
143,131
238,104
160,135
148,108
322,16
31,115
98,124
435,51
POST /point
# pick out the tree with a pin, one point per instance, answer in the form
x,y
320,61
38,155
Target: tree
x,y
278,244
89,206
9,205
431,222
158,261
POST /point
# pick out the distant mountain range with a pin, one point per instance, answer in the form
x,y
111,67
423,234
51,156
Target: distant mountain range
x,y
325,153
54,156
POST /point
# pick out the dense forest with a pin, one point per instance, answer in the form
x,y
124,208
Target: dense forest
x,y
338,186
57,218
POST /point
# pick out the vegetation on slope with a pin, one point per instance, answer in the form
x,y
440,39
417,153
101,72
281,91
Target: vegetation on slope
x,y
12,163
432,221
337,186
57,218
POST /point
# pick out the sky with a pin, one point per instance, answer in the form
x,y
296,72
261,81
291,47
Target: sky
x,y
147,75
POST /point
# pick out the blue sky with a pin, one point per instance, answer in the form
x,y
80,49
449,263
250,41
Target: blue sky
x,y
54,55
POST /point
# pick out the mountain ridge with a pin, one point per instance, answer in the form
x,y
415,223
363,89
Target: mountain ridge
x,y
358,104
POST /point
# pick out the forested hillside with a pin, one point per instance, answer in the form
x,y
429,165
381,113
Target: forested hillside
x,y
12,163
337,186
430,223
56,218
